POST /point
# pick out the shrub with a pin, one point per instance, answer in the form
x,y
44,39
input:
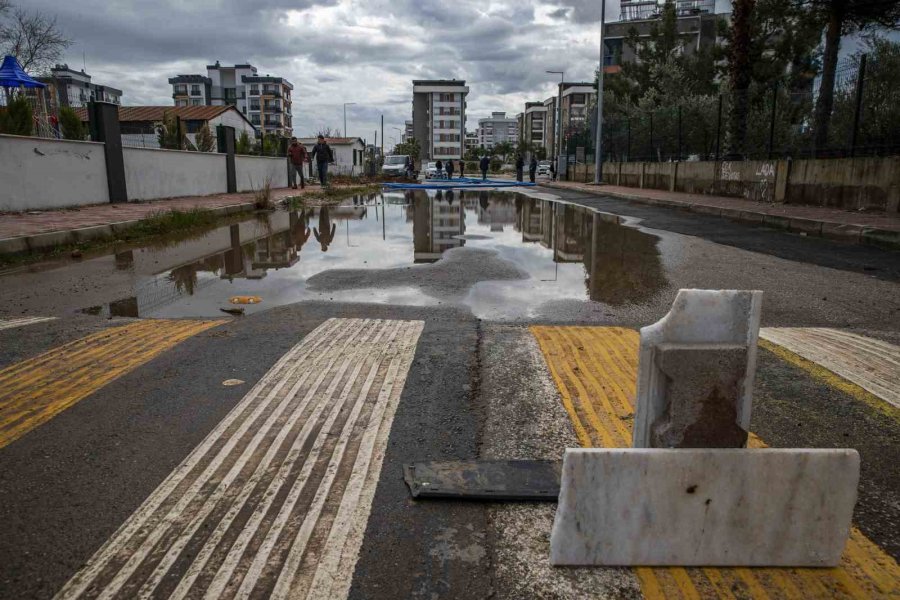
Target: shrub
x,y
204,139
17,119
70,124
243,145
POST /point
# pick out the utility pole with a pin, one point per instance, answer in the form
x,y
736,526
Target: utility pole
x,y
382,135
346,104
598,145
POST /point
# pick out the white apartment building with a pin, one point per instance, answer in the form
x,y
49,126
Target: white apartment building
x,y
68,87
535,123
496,129
439,118
264,99
407,131
471,140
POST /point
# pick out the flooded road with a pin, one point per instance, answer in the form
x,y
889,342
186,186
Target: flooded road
x,y
502,255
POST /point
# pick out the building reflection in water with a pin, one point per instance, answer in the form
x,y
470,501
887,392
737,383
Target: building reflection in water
x,y
438,223
622,265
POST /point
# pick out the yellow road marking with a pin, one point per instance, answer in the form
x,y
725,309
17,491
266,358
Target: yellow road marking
x,y
612,352
826,376
35,390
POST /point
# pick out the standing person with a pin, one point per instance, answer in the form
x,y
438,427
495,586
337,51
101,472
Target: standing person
x,y
520,167
439,167
449,169
462,168
484,164
323,155
553,170
298,156
410,167
532,168
326,235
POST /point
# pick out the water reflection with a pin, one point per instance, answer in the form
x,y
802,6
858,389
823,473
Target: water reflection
x,y
569,252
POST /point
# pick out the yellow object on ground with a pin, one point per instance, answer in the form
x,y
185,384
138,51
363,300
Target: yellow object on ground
x,y
35,390
245,300
595,370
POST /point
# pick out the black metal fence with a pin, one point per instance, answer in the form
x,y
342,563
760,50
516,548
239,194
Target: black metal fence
x,y
865,121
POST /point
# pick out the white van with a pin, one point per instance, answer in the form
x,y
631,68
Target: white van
x,y
394,165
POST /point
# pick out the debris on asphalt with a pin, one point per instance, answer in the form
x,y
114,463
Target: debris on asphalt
x,y
231,382
238,312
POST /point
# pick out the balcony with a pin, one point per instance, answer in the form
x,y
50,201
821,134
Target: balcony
x,y
196,92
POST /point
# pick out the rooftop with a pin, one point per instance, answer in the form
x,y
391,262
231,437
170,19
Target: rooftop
x,y
157,113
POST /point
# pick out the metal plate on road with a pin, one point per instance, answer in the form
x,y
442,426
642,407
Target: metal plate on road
x,y
485,479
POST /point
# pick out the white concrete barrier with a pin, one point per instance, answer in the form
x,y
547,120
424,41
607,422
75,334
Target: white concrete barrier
x,y
152,173
39,173
251,172
704,507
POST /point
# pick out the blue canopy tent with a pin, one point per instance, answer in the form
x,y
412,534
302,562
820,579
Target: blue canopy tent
x,y
12,75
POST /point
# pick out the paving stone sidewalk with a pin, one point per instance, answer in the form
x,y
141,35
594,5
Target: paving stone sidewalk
x,y
35,222
881,229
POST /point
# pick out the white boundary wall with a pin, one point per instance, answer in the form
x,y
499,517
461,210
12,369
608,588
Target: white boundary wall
x,y
152,173
39,173
251,172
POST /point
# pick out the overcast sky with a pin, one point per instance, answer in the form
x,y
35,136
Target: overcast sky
x,y
336,51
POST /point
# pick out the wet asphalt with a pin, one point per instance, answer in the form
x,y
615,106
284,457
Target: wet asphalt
x,y
67,486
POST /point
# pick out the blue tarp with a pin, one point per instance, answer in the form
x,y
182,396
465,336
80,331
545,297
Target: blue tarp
x,y
12,75
460,183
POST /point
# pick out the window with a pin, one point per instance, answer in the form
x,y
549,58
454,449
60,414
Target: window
x,y
196,102
181,89
195,90
254,119
254,89
181,102
577,98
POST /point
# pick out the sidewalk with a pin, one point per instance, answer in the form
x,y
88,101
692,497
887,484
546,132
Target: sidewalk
x,y
870,229
20,232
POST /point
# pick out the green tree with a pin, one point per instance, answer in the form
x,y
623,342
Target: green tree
x,y
740,74
410,147
17,118
169,133
204,139
503,149
243,145
70,124
841,18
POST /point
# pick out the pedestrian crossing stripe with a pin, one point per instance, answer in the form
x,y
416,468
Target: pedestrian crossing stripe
x,y
274,502
34,391
22,321
595,370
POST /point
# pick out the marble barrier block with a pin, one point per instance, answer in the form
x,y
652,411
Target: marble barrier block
x,y
708,321
704,507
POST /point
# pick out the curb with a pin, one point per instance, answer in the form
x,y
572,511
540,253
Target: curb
x,y
50,239
886,239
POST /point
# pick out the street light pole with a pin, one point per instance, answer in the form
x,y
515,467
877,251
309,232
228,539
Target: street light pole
x,y
598,145
562,76
346,104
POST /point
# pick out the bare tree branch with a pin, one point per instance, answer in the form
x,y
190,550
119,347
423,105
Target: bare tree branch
x,y
32,37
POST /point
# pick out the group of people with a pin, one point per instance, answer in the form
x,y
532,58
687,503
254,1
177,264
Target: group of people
x,y
300,156
532,168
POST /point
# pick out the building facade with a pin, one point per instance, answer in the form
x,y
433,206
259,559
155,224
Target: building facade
x,y
439,118
496,129
550,134
264,99
696,24
535,124
68,87
407,132
471,141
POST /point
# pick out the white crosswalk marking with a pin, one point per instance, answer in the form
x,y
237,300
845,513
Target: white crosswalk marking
x,y
274,502
22,321
872,364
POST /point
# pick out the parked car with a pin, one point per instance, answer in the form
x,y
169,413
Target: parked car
x,y
544,168
431,171
394,165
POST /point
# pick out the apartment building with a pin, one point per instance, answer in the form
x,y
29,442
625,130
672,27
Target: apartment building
x,y
68,87
550,135
264,99
496,129
696,24
439,117
407,131
535,123
577,98
471,141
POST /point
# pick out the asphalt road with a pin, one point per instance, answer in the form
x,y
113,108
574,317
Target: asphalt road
x,y
475,389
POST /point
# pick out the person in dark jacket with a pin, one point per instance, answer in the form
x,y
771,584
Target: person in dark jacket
x,y
439,169
298,157
532,168
462,168
520,167
449,169
328,229
323,155
553,170
485,165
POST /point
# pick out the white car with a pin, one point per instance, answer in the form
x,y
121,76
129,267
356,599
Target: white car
x,y
544,168
431,171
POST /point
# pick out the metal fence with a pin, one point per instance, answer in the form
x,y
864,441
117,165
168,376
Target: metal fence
x,y
865,121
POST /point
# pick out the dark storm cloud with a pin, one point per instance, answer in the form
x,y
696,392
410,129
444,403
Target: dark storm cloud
x,y
333,51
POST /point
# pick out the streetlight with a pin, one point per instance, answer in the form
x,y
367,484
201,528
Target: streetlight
x,y
598,144
401,132
562,75
346,104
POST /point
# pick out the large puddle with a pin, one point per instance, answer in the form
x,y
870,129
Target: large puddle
x,y
502,255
